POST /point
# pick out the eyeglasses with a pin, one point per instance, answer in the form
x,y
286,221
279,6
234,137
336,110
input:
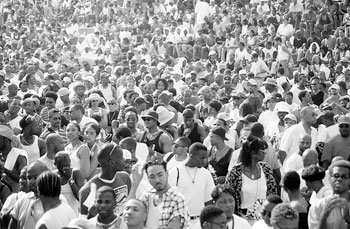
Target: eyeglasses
x,y
111,103
344,125
221,225
264,212
313,84
343,176
177,146
130,120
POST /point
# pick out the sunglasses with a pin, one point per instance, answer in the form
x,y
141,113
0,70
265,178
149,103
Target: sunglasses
x,y
147,119
57,118
344,125
94,100
131,120
177,146
111,103
343,176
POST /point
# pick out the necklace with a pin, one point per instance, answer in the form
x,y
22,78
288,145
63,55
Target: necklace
x,y
194,177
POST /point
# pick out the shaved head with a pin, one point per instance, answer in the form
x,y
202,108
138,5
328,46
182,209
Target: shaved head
x,y
310,157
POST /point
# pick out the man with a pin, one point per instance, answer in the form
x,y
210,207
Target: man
x,y
190,128
284,216
212,217
289,141
157,141
313,176
131,119
63,101
29,105
298,86
317,95
54,144
294,162
194,181
269,203
333,94
254,98
179,154
15,159
28,208
259,68
333,211
77,112
50,103
111,160
105,203
135,214
54,125
12,92
108,91
227,90
202,108
165,204
165,98
140,106
57,213
339,144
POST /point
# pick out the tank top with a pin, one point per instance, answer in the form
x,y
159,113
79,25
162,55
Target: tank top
x,y
318,98
107,92
154,213
282,55
194,135
67,192
32,150
73,155
324,21
220,166
153,143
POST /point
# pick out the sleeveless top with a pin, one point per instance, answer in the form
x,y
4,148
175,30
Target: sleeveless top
x,y
220,166
153,143
67,192
230,66
75,160
324,21
107,92
194,135
282,55
32,150
90,112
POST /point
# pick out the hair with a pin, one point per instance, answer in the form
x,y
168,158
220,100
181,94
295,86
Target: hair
x,y
130,142
257,130
51,95
79,107
196,147
49,184
154,162
106,189
122,132
291,181
185,140
251,147
165,82
289,93
216,105
246,109
313,173
25,121
94,126
130,108
283,211
274,199
220,189
302,94
209,213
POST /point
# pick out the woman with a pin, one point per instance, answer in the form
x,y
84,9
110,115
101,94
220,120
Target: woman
x,y
77,150
94,101
31,82
112,114
251,179
285,29
91,133
214,109
161,84
223,197
71,180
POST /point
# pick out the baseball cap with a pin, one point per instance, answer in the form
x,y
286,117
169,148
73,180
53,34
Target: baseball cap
x,y
187,113
221,132
140,100
344,120
291,117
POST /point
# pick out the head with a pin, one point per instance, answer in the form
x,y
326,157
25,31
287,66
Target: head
x,y
284,216
23,184
131,119
62,163
198,155
253,149
111,158
73,131
313,174
310,157
181,145
212,217
304,142
340,176
31,125
308,115
157,174
105,202
134,213
223,197
291,182
55,118
91,132
54,143
188,118
33,172
48,185
77,112
269,203
344,126
50,99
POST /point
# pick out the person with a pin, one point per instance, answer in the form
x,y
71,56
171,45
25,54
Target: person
x,y
77,150
50,103
54,144
105,204
327,213
179,154
71,180
54,125
295,162
212,217
13,159
157,141
313,176
77,112
91,134
110,157
29,140
190,128
57,213
28,208
223,198
165,204
93,102
289,141
135,214
269,203
202,108
194,181
219,154
284,216
291,184
337,145
251,179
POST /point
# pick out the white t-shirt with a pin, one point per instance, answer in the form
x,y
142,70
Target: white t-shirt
x,y
293,163
253,190
196,184
171,163
261,225
238,223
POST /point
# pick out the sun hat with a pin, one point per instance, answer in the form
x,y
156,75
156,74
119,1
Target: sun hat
x,y
93,97
164,115
89,78
270,81
291,117
78,84
335,86
151,114
140,100
36,101
344,120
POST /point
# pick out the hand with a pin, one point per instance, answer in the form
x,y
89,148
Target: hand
x,y
334,202
306,193
92,212
136,173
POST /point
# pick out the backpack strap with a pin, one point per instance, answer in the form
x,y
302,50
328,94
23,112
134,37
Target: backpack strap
x,y
169,158
178,176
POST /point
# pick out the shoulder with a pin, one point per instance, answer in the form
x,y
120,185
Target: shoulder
x,y
240,222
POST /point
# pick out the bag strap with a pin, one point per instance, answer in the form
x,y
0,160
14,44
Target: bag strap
x,y
169,158
178,176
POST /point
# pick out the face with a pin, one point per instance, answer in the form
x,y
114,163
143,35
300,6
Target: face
x,y
118,161
72,131
36,127
310,116
23,184
217,223
134,213
55,120
288,123
179,148
160,86
304,143
80,91
315,84
63,165
149,122
131,119
266,211
271,104
29,107
90,135
227,203
157,177
344,129
15,106
105,204
200,159
339,180
32,174
74,114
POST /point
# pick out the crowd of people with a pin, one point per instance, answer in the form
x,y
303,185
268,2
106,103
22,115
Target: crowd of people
x,y
182,114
